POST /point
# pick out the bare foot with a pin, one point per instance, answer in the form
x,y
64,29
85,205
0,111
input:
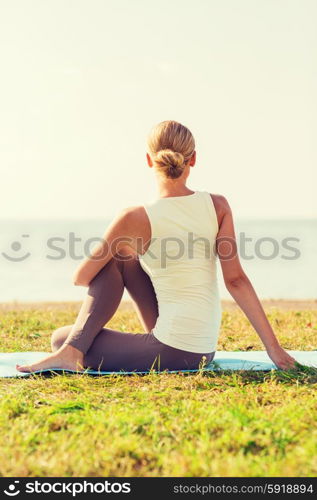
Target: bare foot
x,y
67,357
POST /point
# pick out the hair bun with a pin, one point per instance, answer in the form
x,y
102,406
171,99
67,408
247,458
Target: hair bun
x,y
171,162
171,146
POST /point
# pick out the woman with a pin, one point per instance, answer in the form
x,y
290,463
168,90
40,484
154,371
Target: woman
x,y
165,255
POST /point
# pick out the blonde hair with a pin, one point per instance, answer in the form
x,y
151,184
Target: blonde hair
x,y
171,146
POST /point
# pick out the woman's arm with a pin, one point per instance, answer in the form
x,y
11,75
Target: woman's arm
x,y
241,289
122,233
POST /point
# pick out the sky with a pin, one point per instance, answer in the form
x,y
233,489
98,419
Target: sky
x,y
83,82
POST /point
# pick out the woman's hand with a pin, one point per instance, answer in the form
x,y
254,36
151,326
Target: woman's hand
x,y
281,358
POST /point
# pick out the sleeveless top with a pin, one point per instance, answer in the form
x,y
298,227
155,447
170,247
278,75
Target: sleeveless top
x,y
181,263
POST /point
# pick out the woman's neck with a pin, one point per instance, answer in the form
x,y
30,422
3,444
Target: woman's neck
x,y
173,188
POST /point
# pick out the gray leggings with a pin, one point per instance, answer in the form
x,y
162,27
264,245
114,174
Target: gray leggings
x,y
111,350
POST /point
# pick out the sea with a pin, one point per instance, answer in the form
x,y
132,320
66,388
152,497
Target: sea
x,y
38,257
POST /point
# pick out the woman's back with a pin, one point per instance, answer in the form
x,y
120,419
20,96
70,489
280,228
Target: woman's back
x,y
181,262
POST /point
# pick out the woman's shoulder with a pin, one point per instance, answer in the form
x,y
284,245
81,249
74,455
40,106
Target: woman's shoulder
x,y
134,216
221,205
220,201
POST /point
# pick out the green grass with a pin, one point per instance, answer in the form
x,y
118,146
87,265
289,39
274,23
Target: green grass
x,y
205,424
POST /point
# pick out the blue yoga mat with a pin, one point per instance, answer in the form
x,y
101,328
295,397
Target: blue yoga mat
x,y
223,360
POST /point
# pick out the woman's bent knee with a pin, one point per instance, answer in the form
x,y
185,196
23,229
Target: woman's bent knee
x,y
59,336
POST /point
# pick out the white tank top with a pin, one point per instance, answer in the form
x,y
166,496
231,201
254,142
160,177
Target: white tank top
x,y
181,262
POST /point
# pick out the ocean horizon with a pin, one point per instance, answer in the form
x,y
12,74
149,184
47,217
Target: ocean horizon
x,y
38,257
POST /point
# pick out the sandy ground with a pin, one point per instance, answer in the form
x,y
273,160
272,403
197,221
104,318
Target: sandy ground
x,y
227,305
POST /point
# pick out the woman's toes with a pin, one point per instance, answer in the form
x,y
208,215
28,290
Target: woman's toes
x,y
23,368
